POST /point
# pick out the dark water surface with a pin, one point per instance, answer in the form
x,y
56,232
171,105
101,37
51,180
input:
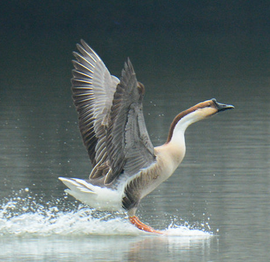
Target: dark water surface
x,y
221,188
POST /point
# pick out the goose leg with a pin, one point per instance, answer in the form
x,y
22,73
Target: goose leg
x,y
135,221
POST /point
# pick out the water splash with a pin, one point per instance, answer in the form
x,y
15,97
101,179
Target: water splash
x,y
23,214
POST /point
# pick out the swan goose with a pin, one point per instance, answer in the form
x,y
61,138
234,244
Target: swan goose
x,y
126,166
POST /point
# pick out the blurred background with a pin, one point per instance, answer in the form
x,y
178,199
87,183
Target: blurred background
x,y
184,52
171,44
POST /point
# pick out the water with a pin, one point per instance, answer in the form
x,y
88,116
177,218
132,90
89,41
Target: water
x,y
214,208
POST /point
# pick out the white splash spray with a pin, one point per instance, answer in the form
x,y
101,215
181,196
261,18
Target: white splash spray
x,y
23,214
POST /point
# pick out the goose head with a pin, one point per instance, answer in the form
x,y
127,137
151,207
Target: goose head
x,y
194,114
203,110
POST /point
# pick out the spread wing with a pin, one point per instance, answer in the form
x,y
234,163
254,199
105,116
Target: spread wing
x,y
128,144
93,88
111,117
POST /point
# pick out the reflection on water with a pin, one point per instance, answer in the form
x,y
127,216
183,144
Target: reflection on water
x,y
52,231
109,248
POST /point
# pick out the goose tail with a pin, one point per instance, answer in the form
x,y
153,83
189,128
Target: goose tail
x,y
101,198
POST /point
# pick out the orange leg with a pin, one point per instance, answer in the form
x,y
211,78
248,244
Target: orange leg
x,y
135,221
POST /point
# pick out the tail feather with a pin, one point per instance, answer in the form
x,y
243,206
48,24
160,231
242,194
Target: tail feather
x,y
101,198
77,185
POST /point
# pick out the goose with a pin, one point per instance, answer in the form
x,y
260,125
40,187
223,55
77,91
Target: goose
x,y
125,165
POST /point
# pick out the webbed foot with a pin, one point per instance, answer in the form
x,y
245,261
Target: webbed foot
x,y
140,225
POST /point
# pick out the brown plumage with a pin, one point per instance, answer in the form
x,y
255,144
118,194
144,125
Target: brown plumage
x,y
126,166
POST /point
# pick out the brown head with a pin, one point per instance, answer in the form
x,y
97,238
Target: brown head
x,y
196,113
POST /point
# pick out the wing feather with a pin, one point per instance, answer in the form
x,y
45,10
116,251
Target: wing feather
x,y
93,88
129,147
110,117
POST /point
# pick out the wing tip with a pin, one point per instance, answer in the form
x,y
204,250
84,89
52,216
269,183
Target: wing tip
x,y
85,49
128,69
128,65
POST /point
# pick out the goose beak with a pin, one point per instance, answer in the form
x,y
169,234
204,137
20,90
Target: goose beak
x,y
222,107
